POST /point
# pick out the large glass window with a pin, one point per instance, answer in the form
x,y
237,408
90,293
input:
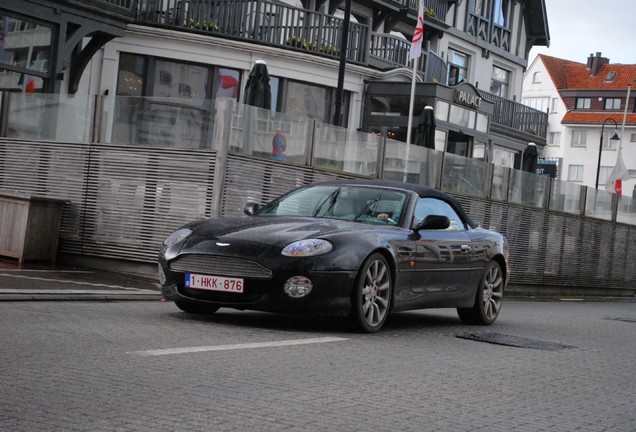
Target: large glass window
x,y
132,73
307,100
500,81
24,45
503,156
458,64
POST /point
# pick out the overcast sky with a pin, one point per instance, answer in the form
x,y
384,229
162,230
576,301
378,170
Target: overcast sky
x,y
581,27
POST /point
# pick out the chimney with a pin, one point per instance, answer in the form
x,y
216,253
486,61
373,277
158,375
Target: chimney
x,y
594,63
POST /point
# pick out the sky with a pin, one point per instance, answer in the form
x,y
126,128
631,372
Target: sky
x,y
581,27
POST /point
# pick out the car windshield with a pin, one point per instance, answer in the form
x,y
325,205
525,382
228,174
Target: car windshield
x,y
354,203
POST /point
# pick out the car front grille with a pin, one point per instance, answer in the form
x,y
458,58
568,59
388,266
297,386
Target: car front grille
x,y
220,266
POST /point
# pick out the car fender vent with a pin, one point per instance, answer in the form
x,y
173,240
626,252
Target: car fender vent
x,y
220,266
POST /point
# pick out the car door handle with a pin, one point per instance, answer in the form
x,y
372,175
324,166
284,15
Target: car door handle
x,y
466,248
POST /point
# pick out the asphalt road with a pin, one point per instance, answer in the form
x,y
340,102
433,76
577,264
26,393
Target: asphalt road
x,y
146,366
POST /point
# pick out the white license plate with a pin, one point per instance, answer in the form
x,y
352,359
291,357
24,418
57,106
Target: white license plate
x,y
214,283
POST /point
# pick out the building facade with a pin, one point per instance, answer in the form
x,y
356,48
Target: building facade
x,y
587,104
204,49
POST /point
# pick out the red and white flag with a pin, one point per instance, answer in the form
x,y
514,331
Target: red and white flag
x,y
26,83
614,183
418,36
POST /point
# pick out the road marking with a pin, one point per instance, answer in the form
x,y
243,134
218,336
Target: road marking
x,y
188,350
65,281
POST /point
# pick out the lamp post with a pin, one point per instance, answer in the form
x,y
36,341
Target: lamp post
x,y
614,137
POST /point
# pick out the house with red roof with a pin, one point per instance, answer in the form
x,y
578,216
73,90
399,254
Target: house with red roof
x,y
592,113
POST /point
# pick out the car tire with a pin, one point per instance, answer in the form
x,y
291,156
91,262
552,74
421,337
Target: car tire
x,y
372,294
198,309
488,298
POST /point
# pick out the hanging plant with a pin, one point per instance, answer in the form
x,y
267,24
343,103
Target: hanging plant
x,y
206,24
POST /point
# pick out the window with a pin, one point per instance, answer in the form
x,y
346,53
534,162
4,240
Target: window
x,y
503,157
501,13
612,103
500,81
555,139
540,104
307,100
536,78
132,73
579,138
632,137
610,77
481,8
583,103
555,104
433,206
457,67
575,173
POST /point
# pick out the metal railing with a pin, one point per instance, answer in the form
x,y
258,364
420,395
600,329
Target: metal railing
x,y
269,22
517,116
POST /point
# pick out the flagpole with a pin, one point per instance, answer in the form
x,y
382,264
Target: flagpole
x,y
415,61
412,101
412,98
629,87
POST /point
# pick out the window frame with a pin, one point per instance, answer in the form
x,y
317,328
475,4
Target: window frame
x,y
453,66
583,103
613,102
503,85
576,173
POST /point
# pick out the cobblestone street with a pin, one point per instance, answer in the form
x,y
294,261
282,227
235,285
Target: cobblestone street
x,y
145,366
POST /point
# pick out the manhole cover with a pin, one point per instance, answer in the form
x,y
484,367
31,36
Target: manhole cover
x,y
513,341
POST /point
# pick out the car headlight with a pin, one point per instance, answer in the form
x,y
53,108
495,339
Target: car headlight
x,y
309,247
177,236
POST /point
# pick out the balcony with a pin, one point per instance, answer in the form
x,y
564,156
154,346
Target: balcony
x,y
288,27
518,117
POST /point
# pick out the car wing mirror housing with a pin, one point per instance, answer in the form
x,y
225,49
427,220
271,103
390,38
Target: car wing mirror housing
x,y
433,222
251,208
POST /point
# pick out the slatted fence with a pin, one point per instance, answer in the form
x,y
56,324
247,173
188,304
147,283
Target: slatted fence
x,y
123,201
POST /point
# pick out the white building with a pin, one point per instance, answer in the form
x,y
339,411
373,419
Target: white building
x,y
204,49
582,100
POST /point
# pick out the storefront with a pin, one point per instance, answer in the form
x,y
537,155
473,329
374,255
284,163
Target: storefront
x,y
462,119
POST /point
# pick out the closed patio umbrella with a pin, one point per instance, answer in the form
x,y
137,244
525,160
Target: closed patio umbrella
x,y
257,91
530,156
425,129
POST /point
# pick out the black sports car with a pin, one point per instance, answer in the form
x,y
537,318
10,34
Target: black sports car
x,y
358,247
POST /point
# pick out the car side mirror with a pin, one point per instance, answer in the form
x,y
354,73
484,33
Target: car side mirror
x,y
433,222
251,208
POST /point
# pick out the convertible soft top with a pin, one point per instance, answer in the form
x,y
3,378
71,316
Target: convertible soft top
x,y
421,190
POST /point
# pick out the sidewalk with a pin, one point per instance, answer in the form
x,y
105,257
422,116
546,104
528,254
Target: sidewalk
x,y
37,281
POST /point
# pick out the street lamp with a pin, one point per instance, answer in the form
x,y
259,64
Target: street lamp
x,y
614,137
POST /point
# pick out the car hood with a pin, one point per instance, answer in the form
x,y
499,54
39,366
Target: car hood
x,y
260,233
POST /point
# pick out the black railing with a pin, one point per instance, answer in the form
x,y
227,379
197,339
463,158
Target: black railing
x,y
517,116
266,21
432,8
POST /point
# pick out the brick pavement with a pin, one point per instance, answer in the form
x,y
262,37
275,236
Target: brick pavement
x,y
68,366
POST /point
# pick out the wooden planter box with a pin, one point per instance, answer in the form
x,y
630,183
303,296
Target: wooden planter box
x,y
29,226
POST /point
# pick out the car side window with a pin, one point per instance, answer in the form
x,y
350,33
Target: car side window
x,y
435,206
